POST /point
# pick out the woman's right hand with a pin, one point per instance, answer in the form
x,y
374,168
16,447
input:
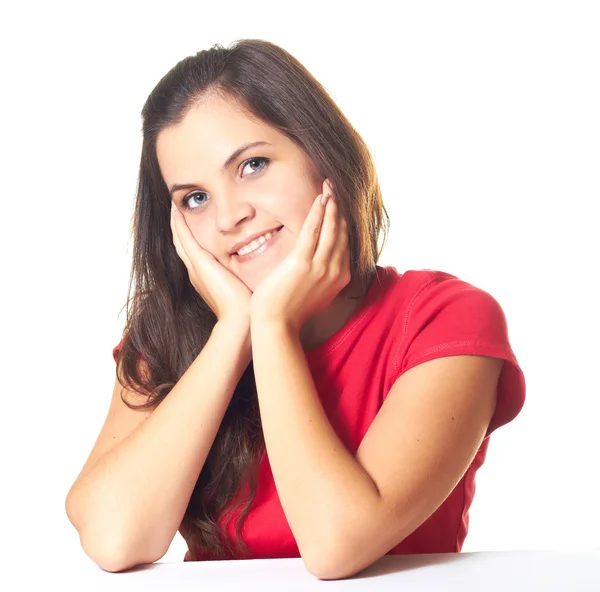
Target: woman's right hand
x,y
227,296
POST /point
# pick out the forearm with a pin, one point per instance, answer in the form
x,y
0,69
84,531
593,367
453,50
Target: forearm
x,y
131,502
319,482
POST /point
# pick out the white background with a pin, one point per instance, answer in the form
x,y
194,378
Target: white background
x,y
484,121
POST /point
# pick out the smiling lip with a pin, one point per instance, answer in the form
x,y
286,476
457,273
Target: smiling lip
x,y
238,246
259,250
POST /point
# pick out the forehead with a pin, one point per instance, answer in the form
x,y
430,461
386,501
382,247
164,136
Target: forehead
x,y
210,132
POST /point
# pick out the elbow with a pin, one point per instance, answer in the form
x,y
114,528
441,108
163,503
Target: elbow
x,y
341,555
328,567
333,561
109,547
115,556
116,552
118,563
113,562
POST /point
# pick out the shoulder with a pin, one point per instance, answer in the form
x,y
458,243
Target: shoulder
x,y
455,310
418,285
436,309
408,302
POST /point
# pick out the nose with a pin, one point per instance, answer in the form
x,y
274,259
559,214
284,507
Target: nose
x,y
231,209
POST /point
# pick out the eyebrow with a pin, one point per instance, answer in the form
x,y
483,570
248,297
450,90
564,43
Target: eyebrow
x,y
226,164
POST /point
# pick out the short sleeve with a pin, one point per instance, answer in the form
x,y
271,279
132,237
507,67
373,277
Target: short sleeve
x,y
451,317
117,350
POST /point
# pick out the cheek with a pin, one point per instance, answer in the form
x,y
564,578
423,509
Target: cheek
x,y
293,215
203,234
288,206
295,186
300,209
294,203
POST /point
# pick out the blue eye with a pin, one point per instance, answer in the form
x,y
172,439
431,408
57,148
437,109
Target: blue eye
x,y
185,203
259,159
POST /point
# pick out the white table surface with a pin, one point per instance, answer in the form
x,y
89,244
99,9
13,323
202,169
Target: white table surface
x,y
514,571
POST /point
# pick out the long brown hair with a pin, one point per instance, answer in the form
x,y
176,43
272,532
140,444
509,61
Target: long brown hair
x,y
168,323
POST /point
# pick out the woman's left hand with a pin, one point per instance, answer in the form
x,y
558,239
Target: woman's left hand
x,y
312,275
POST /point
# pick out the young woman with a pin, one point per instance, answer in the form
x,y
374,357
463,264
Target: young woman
x,y
285,396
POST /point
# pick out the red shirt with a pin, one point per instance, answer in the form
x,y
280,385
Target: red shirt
x,y
405,319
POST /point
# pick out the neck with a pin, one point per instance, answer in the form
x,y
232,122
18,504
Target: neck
x,y
323,325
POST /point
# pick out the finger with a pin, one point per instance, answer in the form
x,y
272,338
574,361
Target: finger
x,y
311,229
176,241
329,235
194,252
340,258
178,246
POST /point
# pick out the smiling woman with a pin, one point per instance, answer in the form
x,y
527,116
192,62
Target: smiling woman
x,y
278,393
247,178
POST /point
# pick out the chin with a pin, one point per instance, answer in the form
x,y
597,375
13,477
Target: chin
x,y
256,279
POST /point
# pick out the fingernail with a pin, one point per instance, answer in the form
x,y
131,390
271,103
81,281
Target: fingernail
x,y
324,198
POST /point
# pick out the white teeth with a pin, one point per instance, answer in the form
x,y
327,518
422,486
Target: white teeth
x,y
255,243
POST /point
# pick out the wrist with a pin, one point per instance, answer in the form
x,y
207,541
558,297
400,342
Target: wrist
x,y
237,331
266,324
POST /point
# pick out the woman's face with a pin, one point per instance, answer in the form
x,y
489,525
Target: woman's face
x,y
251,195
